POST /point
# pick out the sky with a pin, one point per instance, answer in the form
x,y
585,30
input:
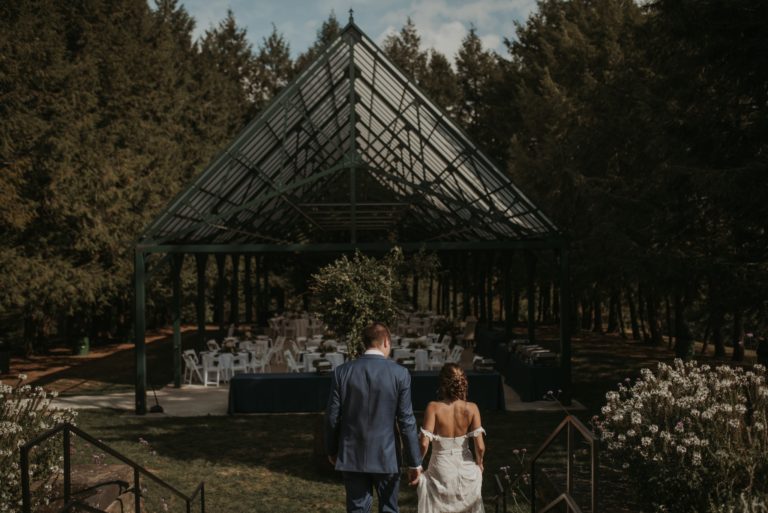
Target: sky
x,y
441,23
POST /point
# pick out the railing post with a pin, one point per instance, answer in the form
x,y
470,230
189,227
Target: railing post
x,y
569,465
595,447
136,491
533,486
26,507
67,466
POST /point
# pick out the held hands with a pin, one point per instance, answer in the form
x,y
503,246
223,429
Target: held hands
x,y
413,476
332,459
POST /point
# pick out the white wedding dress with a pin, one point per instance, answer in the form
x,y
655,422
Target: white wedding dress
x,y
453,481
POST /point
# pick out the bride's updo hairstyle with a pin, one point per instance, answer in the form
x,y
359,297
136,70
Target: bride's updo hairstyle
x,y
453,383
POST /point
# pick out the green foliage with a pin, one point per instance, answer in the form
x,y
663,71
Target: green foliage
x,y
353,293
25,413
690,436
404,49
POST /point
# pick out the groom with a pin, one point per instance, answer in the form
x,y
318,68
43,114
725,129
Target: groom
x,y
370,397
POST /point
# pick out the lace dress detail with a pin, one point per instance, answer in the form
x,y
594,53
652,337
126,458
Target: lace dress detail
x,y
453,481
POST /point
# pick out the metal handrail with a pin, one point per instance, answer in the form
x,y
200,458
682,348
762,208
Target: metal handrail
x,y
570,423
67,429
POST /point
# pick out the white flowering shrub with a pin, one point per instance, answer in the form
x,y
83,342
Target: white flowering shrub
x,y
690,436
25,413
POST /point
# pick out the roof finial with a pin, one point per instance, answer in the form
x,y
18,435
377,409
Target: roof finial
x,y
351,16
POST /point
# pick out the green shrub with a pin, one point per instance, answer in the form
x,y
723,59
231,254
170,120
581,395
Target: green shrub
x,y
26,412
352,293
691,436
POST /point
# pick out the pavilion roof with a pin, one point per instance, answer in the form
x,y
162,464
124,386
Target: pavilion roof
x,y
350,152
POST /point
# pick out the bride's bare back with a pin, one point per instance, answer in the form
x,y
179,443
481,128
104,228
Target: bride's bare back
x,y
451,419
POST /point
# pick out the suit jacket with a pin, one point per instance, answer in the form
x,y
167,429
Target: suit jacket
x,y
370,399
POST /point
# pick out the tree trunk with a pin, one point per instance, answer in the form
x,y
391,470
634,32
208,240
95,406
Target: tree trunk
x,y
546,301
671,328
431,291
641,301
598,327
415,293
613,311
220,288
738,335
653,320
620,316
515,305
633,315
465,306
683,337
234,298
586,314
248,290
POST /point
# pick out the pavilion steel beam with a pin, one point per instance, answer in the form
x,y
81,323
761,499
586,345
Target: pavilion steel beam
x,y
176,264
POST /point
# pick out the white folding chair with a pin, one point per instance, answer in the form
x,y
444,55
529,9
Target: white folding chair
x,y
210,368
277,349
191,367
420,357
240,363
290,361
455,355
213,345
226,366
262,363
436,360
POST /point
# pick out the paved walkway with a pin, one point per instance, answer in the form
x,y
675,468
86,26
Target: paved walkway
x,y
199,401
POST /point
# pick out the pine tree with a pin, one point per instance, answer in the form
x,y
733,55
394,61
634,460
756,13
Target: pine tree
x,y
328,31
274,67
440,82
404,49
475,68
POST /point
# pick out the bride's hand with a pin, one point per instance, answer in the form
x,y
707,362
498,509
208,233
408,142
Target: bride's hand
x,y
482,469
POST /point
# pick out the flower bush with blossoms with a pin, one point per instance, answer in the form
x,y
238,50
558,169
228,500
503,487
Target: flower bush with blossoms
x,y
25,413
691,437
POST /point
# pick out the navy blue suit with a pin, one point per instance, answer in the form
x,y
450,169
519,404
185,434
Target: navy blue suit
x,y
370,399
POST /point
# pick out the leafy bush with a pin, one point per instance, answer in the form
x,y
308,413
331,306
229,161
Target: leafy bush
x,y
26,412
690,436
352,293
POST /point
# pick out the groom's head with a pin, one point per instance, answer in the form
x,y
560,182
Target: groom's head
x,y
376,336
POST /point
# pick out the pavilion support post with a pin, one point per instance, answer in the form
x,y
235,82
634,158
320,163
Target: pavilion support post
x,y
139,329
530,260
248,290
266,295
219,298
234,298
565,320
454,288
431,291
489,288
176,263
507,292
464,287
201,261
415,292
260,317
439,301
482,305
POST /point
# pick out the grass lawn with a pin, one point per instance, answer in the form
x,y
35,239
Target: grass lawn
x,y
265,462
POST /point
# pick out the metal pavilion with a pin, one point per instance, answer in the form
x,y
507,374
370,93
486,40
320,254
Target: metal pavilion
x,y
350,155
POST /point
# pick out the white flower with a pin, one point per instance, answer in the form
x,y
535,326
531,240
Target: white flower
x,y
681,449
645,441
22,377
653,428
636,418
696,459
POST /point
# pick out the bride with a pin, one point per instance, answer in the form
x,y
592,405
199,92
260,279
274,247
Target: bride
x,y
453,481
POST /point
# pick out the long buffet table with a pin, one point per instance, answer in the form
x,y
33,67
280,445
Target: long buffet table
x,y
308,392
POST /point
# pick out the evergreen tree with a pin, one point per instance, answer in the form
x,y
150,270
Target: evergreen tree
x,y
404,49
328,31
475,68
440,82
274,67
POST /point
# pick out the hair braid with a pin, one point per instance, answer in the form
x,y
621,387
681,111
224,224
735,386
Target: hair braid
x,y
453,382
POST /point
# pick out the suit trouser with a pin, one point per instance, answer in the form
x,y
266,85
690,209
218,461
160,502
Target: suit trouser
x,y
359,497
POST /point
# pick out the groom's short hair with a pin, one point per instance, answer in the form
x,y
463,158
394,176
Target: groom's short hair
x,y
375,334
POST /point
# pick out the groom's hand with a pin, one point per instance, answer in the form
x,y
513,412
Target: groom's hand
x,y
332,459
413,476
